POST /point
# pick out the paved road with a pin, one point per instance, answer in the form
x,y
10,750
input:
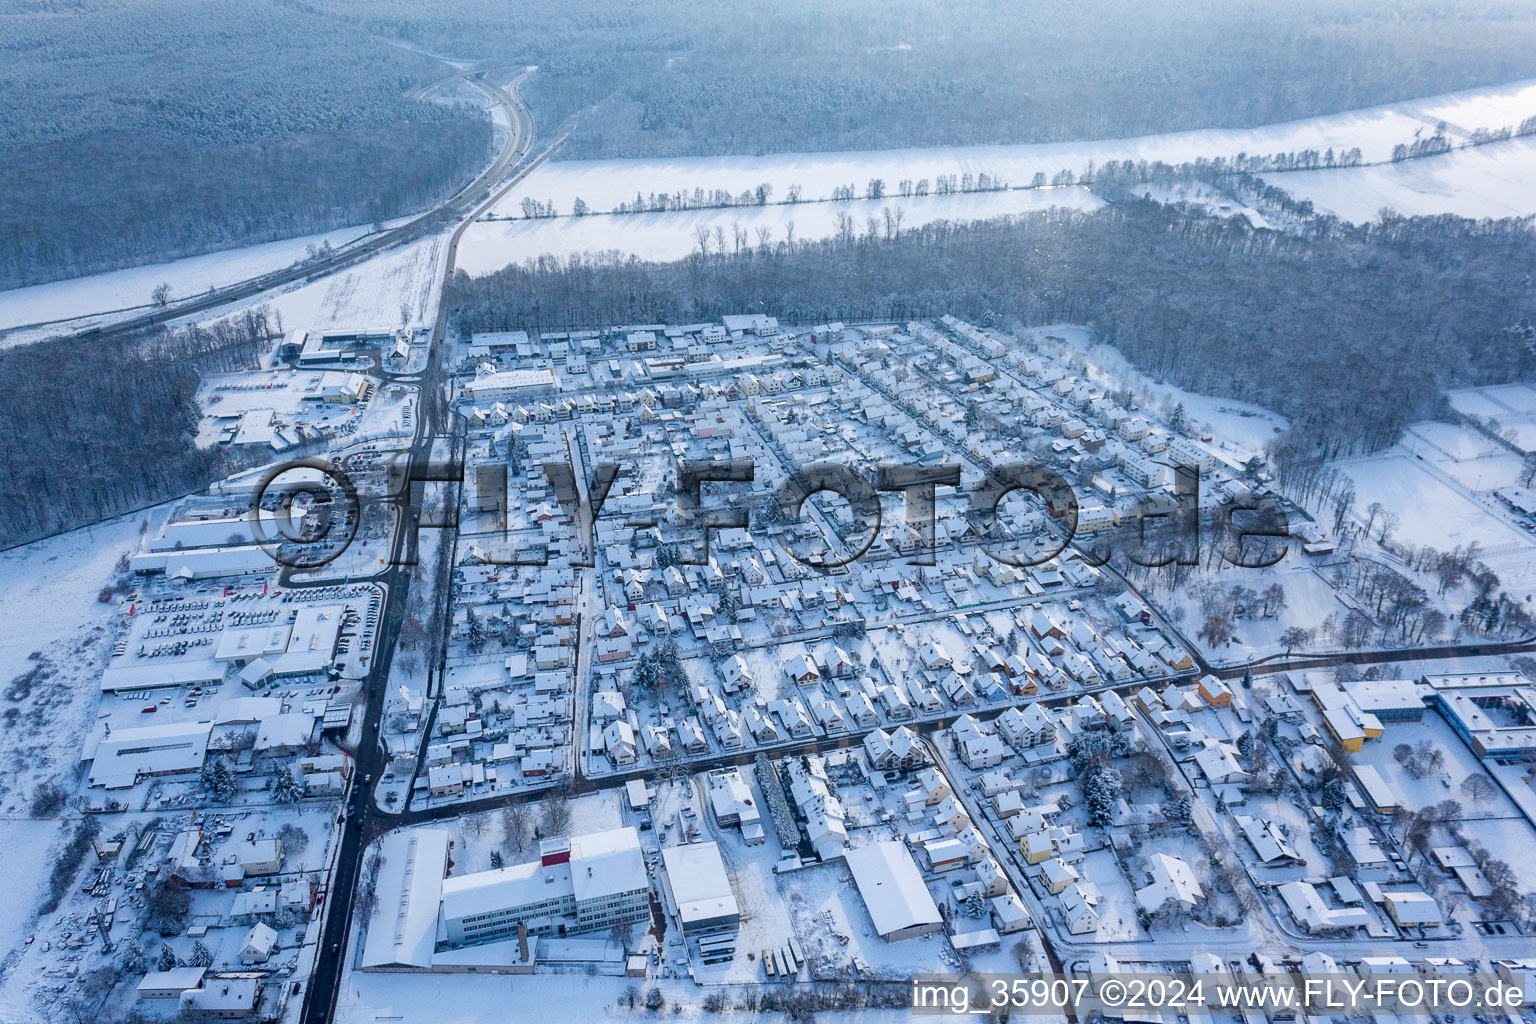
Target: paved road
x,y
363,820
468,203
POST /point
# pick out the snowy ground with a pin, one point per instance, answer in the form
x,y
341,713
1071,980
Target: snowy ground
x,y
1241,429
1463,454
1434,509
1485,181
1510,408
549,999
125,289
1309,599
603,184
395,287
53,621
491,245
1496,823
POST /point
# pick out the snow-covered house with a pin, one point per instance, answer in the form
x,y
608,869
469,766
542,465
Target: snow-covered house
x,y
1169,878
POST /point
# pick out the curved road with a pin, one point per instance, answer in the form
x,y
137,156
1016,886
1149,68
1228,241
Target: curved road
x,y
469,202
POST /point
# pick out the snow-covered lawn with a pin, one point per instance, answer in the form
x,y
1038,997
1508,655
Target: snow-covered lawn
x,y
1485,181
491,245
1309,599
1117,905
1444,784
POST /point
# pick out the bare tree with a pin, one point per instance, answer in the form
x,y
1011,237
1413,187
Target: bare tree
x,y
1478,788
555,813
516,825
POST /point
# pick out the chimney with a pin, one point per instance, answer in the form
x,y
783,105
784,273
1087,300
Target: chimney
x,y
522,941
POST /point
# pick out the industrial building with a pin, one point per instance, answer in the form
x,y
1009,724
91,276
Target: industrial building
x,y
508,385
701,890
893,890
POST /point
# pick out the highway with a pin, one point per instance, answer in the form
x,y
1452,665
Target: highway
x,y
468,203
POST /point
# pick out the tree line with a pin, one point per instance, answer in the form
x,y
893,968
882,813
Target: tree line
x,y
92,431
688,78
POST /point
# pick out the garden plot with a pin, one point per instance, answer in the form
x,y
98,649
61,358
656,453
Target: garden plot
x,y
1117,900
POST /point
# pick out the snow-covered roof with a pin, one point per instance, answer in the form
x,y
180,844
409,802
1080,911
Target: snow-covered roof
x,y
892,886
700,887
121,757
403,928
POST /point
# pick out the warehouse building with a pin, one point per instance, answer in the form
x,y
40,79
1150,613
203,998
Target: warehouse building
x,y
509,385
700,889
893,890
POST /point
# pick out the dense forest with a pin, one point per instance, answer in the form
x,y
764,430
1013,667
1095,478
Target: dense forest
x,y
143,131
691,77
102,429
135,131
1351,332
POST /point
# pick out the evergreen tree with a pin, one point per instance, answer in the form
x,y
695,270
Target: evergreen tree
x,y
285,788
167,960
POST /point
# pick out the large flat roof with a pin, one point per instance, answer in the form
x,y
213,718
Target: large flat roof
x,y
607,863
403,928
891,886
699,882
517,885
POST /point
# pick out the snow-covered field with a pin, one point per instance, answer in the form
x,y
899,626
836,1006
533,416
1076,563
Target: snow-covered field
x,y
1430,510
603,184
1496,180
126,289
1460,452
491,245
49,592
28,858
1510,409
399,284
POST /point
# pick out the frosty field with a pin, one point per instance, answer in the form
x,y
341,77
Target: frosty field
x,y
1486,181
126,289
603,184
491,245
